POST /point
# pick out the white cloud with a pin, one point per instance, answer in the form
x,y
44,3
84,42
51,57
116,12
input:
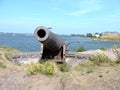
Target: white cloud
x,y
86,7
82,12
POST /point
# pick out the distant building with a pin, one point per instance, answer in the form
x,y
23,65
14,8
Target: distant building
x,y
97,35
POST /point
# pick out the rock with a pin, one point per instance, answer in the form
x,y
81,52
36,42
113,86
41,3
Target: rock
x,y
72,58
26,57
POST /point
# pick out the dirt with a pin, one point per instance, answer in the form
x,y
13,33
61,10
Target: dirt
x,y
14,77
102,78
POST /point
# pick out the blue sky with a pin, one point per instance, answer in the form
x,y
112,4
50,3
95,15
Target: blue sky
x,y
64,16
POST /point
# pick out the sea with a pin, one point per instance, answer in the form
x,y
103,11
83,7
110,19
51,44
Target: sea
x,y
27,42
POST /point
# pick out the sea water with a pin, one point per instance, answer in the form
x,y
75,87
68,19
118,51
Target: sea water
x,y
27,43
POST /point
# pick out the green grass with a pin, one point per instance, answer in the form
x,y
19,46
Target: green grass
x,y
89,71
8,51
95,61
80,49
63,67
6,48
99,59
103,48
51,68
0,57
2,65
46,68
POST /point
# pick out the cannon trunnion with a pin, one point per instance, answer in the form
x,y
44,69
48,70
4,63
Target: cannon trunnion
x,y
52,47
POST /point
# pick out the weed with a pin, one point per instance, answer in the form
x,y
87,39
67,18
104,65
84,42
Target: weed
x,y
89,71
47,68
80,49
0,56
6,48
116,52
99,58
2,65
63,67
103,48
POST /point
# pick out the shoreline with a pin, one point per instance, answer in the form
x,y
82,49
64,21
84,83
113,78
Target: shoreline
x,y
72,58
105,40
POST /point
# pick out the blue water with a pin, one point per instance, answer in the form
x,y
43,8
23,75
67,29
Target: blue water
x,y
29,43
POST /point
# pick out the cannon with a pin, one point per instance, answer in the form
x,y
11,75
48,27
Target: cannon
x,y
52,47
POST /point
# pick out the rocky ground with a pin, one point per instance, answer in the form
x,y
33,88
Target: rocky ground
x,y
103,78
14,77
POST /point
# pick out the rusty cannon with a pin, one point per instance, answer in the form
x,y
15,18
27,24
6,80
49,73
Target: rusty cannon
x,y
52,47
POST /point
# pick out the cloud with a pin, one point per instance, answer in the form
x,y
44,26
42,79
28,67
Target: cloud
x,y
86,7
82,12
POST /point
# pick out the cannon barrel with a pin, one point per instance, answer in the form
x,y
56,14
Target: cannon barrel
x,y
52,47
48,39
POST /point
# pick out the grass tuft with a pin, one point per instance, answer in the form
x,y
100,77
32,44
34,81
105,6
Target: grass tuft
x,y
2,65
80,49
47,68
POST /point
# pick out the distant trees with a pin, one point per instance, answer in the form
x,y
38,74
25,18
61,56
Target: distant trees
x,y
89,35
79,35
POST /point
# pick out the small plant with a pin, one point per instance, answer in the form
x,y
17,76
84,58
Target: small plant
x,y
99,59
32,69
103,48
116,52
2,65
63,67
90,71
47,68
0,56
80,49
6,48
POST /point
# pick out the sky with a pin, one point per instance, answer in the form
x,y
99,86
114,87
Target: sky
x,y
63,16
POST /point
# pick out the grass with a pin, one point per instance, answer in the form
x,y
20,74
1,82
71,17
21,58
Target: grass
x,y
51,68
7,49
80,49
89,71
2,65
110,37
103,48
63,67
99,59
0,56
116,52
46,68
94,62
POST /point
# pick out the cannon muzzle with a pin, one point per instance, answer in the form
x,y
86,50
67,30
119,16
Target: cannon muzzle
x,y
52,46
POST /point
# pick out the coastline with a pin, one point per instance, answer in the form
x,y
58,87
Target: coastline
x,y
81,76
